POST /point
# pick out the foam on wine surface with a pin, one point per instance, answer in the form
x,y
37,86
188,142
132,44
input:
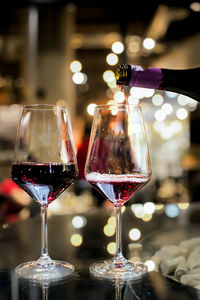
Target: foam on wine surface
x,y
118,188
102,177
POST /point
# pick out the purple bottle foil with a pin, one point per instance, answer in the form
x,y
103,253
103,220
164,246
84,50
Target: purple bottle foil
x,y
148,78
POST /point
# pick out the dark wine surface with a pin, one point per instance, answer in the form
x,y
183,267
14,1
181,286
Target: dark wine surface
x,y
44,182
118,188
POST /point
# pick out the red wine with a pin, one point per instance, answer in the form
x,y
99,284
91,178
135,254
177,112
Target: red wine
x,y
185,82
118,188
44,182
125,95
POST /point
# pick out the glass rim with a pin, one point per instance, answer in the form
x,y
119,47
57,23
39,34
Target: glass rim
x,y
44,106
118,105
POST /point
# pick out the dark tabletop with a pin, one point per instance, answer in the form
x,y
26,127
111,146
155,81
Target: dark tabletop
x,y
20,242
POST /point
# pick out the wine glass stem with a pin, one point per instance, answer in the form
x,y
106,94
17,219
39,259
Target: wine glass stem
x,y
44,293
117,291
118,258
44,251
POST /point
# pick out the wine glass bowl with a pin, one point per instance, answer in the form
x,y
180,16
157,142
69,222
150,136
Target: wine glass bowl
x,y
118,166
44,166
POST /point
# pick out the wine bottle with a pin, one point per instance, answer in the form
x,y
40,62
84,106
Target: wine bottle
x,y
186,82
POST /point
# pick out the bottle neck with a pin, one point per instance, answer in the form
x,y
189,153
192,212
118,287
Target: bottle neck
x,y
148,78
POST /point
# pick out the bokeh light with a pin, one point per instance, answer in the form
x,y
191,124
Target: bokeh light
x,y
195,6
147,217
117,47
167,108
134,234
109,230
148,92
159,207
109,76
111,248
78,221
137,92
157,99
133,47
150,265
176,126
160,115
112,221
183,205
149,207
112,59
111,102
76,240
148,43
91,108
192,102
119,97
138,210
181,113
75,66
112,84
133,100
172,210
114,110
182,100
79,78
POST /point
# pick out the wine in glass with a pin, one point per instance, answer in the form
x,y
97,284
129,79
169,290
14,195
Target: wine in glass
x,y
44,166
118,166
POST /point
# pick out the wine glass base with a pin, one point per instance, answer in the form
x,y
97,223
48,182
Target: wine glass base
x,y
125,271
36,271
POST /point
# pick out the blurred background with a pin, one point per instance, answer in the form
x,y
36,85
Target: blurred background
x,y
66,52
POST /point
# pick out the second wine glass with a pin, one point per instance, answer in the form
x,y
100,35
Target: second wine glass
x,y
118,166
44,166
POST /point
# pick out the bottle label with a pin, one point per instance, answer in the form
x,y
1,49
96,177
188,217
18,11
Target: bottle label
x,y
148,78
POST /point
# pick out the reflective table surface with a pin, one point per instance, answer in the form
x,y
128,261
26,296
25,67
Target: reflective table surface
x,y
85,242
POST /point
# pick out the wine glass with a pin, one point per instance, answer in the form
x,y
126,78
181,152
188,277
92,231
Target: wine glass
x,y
44,166
118,166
